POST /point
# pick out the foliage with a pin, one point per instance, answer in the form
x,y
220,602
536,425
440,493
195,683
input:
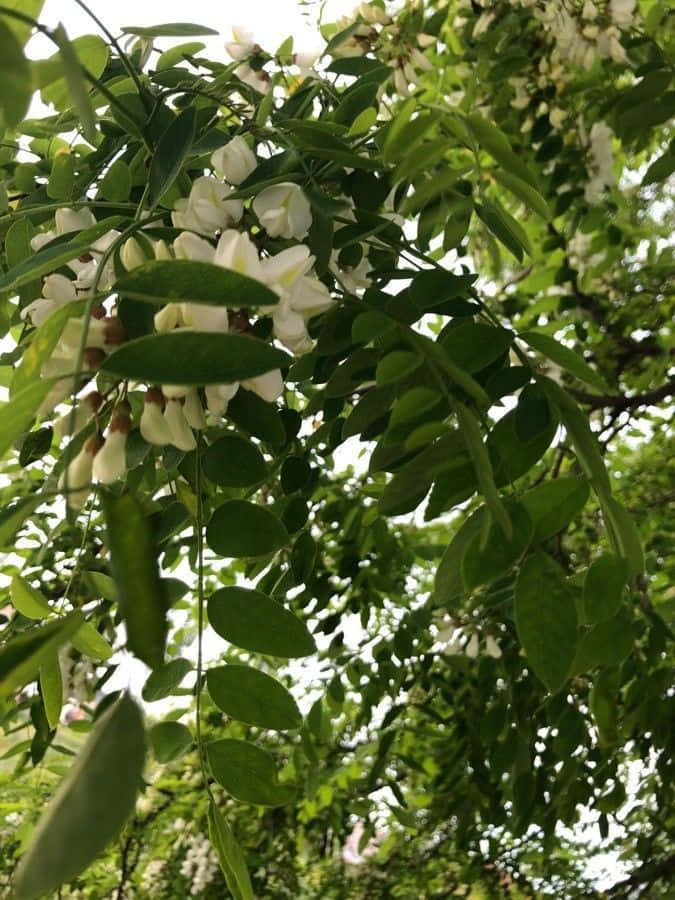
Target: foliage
x,y
441,253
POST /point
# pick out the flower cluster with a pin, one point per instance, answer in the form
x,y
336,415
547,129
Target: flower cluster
x,y
601,164
172,413
453,640
200,863
375,30
592,35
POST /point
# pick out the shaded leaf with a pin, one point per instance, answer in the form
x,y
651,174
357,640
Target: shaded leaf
x,y
253,697
232,461
240,528
253,621
170,154
90,806
169,740
22,656
230,855
247,773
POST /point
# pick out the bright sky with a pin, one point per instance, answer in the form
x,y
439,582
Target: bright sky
x,y
271,21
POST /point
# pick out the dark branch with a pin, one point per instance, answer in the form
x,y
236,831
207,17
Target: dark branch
x,y
621,402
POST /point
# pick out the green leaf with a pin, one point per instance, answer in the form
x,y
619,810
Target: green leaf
x,y
42,344
525,192
161,281
251,696
13,517
79,94
92,53
504,227
253,621
165,679
606,644
56,254
484,559
16,415
170,154
142,595
51,689
553,504
230,855
169,740
16,87
256,417
171,29
436,288
28,600
22,656
91,805
193,357
62,178
175,55
603,588
239,528
481,462
583,439
662,168
546,620
116,183
564,357
90,641
449,584
496,143
31,8
396,365
473,345
102,585
247,773
625,535
234,462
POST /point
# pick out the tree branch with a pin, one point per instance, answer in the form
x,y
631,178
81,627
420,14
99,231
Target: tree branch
x,y
621,402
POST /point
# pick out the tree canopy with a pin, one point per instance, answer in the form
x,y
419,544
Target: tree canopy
x,y
336,402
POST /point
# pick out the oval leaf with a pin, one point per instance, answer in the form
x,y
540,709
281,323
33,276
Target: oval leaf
x,y
253,697
172,150
193,357
164,680
28,600
230,855
253,621
234,462
142,595
239,528
169,740
90,806
546,620
161,281
603,588
247,773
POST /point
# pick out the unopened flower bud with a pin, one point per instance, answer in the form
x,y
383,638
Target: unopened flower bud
x,y
110,463
193,411
181,433
175,391
154,428
268,387
93,358
113,332
132,254
76,479
218,396
471,649
492,647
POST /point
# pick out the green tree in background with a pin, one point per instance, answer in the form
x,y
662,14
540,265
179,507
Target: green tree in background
x,y
336,401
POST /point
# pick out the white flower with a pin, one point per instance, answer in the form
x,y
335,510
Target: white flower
x,y
161,250
190,246
484,21
84,410
401,82
110,463
492,647
132,254
621,12
257,79
283,210
218,396
207,208
237,251
353,279
556,117
242,44
168,317
68,220
601,164
77,477
181,434
421,60
290,328
471,649
235,161
175,391
57,291
310,297
268,387
284,269
154,427
192,410
426,40
204,317
589,11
